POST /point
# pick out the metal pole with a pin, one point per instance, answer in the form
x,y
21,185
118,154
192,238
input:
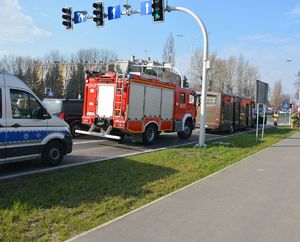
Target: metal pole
x,y
257,120
290,112
204,70
264,118
299,100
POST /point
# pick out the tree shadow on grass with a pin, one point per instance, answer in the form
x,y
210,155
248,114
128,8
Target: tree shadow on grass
x,y
124,178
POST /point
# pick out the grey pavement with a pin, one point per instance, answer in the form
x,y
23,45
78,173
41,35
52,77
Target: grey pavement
x,y
257,199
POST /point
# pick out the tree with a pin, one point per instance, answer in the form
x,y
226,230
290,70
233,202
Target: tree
x,y
76,83
225,75
168,55
277,95
230,67
54,80
37,83
297,86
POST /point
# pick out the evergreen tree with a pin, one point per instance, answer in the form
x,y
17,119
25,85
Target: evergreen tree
x,y
76,82
37,84
71,86
54,80
28,76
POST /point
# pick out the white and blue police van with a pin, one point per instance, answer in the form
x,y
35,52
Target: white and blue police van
x,y
27,130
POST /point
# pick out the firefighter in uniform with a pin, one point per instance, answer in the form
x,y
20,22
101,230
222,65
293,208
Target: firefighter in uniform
x,y
275,118
294,120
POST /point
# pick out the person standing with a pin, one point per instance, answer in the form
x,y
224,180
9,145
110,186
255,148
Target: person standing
x,y
294,120
275,118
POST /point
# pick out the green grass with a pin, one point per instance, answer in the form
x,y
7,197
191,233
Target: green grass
x,y
58,205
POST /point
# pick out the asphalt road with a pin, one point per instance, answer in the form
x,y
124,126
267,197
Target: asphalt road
x,y
88,149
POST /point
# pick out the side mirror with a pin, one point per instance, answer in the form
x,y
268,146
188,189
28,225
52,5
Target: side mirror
x,y
45,114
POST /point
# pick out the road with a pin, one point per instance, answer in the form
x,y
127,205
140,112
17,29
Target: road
x,y
93,149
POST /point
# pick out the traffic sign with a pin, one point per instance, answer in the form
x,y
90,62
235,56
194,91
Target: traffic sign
x,y
80,17
285,105
146,8
114,12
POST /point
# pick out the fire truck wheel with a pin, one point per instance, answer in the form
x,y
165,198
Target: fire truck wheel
x,y
149,135
53,153
187,131
73,127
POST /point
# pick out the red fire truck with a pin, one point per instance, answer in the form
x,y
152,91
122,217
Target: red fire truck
x,y
133,104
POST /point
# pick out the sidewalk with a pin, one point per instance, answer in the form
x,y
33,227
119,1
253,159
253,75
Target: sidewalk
x,y
257,199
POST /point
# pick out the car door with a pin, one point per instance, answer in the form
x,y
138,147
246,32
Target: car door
x,y
26,127
2,121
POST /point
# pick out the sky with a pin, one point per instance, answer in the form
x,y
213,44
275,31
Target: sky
x,y
266,33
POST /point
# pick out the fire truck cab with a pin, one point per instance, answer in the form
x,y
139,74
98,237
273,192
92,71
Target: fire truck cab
x,y
136,105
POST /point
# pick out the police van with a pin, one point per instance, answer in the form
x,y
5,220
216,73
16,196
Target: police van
x,y
27,129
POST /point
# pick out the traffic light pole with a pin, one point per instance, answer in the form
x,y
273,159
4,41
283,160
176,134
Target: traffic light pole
x,y
204,70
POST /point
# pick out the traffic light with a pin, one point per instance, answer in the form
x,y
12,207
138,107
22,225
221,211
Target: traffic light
x,y
98,14
158,10
67,17
185,82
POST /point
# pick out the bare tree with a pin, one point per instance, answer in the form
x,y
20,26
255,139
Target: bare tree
x,y
241,78
225,75
277,95
54,56
297,86
169,50
229,74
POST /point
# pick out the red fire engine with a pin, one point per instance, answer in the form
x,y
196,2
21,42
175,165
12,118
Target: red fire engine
x,y
136,105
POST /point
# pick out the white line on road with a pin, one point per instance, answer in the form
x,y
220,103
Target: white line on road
x,y
44,170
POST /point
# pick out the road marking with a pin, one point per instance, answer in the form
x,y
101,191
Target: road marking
x,y
44,170
88,142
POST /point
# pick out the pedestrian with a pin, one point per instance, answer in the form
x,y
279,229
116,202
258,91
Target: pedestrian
x,y
294,120
275,118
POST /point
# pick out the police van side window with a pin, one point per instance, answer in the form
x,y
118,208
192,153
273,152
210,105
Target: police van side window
x,y
24,105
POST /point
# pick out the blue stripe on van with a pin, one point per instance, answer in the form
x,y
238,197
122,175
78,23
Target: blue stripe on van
x,y
27,136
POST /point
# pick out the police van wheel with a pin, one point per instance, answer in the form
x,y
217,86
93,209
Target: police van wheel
x,y
53,153
187,131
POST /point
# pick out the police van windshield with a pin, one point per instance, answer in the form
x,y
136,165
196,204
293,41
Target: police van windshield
x,y
53,106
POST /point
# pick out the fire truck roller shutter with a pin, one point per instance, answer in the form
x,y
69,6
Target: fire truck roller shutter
x,y
136,97
167,104
152,102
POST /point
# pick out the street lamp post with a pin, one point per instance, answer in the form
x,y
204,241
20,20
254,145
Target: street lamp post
x,y
192,50
205,67
291,60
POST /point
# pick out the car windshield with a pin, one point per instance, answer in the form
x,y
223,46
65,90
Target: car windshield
x,y
53,106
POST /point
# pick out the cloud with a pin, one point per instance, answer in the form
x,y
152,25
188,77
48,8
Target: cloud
x,y
266,38
295,11
16,26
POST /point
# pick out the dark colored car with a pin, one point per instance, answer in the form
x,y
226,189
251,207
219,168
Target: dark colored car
x,y
69,110
261,118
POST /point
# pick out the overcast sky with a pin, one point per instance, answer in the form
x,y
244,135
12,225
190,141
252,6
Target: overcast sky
x,y
266,33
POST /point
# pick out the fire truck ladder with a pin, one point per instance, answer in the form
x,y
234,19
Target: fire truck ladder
x,y
119,95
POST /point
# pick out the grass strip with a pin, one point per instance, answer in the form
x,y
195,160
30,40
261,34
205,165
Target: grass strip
x,y
58,205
